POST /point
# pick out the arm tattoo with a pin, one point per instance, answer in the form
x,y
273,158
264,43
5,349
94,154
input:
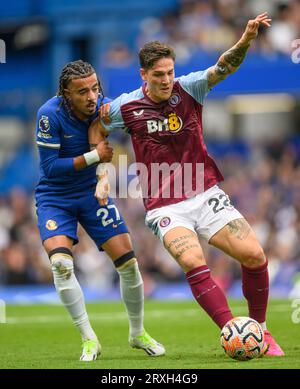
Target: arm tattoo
x,y
236,55
240,228
227,64
222,68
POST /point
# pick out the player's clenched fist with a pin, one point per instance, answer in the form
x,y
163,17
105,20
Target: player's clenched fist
x,y
105,151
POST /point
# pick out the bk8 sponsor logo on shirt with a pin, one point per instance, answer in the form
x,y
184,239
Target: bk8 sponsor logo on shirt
x,y
171,124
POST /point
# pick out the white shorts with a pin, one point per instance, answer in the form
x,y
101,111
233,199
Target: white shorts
x,y
205,214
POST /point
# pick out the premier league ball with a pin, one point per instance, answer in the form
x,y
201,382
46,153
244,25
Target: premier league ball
x,y
242,338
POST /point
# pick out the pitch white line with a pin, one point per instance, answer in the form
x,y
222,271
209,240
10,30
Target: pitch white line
x,y
113,316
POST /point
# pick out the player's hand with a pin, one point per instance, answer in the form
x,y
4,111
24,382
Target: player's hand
x,y
104,113
102,189
105,151
251,30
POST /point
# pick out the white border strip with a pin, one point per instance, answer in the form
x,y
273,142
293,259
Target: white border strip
x,y
50,145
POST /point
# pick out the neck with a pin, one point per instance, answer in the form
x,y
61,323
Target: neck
x,y
153,98
80,115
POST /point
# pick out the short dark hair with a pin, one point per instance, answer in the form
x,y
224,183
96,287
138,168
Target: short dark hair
x,y
153,51
73,70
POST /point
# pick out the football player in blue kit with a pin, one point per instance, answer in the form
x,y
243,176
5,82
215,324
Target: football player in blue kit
x,y
65,196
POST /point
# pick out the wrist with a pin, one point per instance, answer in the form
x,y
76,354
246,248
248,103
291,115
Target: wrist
x,y
91,157
245,41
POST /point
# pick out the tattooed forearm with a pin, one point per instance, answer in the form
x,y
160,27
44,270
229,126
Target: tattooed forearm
x,y
240,228
232,59
227,63
222,69
236,55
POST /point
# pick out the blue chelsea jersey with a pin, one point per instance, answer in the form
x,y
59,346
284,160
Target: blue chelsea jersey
x,y
60,137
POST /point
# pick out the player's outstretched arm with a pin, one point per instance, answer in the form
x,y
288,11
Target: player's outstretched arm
x,y
230,61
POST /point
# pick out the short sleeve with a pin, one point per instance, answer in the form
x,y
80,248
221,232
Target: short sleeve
x,y
115,116
196,85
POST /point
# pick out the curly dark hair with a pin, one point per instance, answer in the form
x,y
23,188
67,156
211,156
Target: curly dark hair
x,y
153,51
73,70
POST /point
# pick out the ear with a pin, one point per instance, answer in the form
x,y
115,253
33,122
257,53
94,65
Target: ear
x,y
143,74
67,93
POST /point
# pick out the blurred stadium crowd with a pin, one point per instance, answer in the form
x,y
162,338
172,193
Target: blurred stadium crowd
x,y
213,26
263,182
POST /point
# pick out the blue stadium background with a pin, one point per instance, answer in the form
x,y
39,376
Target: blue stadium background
x,y
252,127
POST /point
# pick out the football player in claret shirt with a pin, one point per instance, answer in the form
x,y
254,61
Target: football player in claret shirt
x,y
164,120
65,196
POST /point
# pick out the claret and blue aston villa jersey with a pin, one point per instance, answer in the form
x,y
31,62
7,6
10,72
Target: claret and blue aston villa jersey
x,y
168,132
61,137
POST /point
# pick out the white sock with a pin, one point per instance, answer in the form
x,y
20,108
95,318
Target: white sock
x,y
263,325
132,292
70,293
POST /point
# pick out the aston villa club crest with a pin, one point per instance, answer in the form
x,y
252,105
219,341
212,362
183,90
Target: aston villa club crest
x,y
174,100
165,221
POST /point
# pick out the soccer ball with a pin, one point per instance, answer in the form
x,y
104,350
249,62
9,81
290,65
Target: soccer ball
x,y
242,338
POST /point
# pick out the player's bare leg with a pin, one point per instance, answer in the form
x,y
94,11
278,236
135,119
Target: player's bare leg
x,y
60,254
184,246
238,240
119,248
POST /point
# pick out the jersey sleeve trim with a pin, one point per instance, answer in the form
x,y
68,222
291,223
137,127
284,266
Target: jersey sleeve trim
x,y
49,145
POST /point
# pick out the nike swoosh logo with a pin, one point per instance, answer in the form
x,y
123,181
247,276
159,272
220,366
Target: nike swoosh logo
x,y
116,225
68,136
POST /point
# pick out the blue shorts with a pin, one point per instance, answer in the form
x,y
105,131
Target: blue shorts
x,y
60,215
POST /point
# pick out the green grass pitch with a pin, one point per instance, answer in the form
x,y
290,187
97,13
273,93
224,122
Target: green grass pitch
x,y
42,336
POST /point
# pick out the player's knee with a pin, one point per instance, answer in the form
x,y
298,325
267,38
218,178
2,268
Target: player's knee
x,y
192,262
128,270
255,257
125,261
61,263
